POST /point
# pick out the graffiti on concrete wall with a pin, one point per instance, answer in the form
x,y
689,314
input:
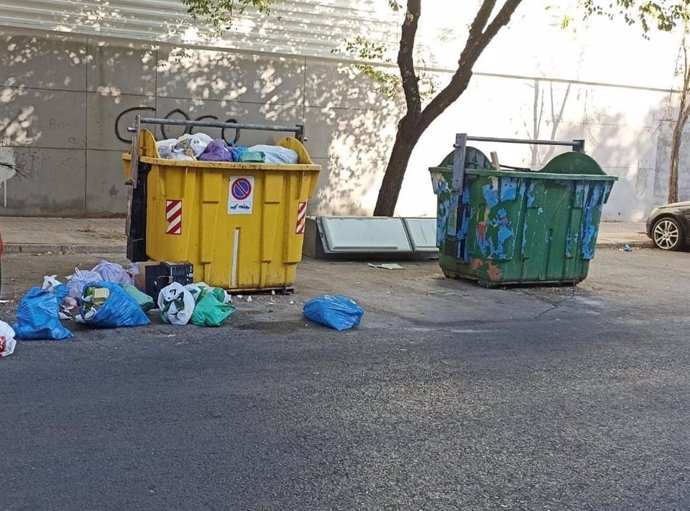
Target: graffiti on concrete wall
x,y
121,126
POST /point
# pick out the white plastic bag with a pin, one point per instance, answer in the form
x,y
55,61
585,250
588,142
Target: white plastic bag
x,y
276,153
196,143
195,290
49,282
77,281
176,304
165,147
113,272
202,287
7,341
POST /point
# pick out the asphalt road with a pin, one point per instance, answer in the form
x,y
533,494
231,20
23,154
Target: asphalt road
x,y
447,397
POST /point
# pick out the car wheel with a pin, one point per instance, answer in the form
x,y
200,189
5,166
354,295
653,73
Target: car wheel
x,y
667,234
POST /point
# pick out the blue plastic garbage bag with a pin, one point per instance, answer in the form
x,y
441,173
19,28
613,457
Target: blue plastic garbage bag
x,y
118,310
38,315
337,312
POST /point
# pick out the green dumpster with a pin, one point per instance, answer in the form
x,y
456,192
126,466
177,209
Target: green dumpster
x,y
507,227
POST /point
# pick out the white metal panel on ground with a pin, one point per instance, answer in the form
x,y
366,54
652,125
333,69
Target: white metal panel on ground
x,y
422,232
365,234
298,27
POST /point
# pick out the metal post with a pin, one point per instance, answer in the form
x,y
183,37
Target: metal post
x,y
459,161
458,179
575,144
134,162
299,134
217,124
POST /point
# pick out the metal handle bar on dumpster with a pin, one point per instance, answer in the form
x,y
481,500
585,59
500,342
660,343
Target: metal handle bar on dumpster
x,y
297,129
461,144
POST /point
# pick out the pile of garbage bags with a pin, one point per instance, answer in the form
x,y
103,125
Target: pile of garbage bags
x,y
202,147
105,297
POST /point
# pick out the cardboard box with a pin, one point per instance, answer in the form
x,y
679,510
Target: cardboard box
x,y
155,275
140,278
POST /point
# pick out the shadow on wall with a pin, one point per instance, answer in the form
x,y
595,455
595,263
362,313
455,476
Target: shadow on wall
x,y
44,117
27,113
208,85
65,106
360,125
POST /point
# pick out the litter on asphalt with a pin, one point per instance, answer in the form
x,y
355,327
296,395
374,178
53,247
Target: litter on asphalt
x,y
336,312
387,266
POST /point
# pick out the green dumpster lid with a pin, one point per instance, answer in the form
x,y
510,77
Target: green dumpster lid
x,y
474,159
568,165
573,162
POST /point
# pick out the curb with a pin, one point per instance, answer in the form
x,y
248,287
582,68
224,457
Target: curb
x,y
44,248
619,244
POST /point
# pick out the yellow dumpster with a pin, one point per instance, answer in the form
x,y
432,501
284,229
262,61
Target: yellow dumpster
x,y
240,224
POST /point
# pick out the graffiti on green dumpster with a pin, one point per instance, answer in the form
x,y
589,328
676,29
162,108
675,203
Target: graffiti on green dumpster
x,y
444,209
593,207
495,237
490,195
486,270
551,215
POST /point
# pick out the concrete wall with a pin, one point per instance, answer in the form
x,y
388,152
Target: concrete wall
x,y
60,100
627,130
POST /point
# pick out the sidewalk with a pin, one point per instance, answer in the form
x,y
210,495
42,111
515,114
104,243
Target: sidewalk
x,y
82,235
107,235
617,234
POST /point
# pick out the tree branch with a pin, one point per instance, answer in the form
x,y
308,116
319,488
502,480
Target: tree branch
x,y
501,19
410,81
477,40
477,26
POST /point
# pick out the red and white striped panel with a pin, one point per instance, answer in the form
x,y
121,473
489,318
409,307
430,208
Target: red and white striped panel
x,y
173,216
301,218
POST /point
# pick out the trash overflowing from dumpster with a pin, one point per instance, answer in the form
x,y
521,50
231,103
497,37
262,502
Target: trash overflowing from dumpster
x,y
110,296
237,214
336,312
198,304
108,305
7,340
176,304
201,147
77,281
106,300
38,314
258,196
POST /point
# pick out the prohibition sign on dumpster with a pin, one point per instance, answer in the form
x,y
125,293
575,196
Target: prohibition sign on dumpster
x,y
241,195
241,188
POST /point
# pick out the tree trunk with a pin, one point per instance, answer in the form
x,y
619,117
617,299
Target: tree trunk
x,y
405,140
681,121
416,121
673,168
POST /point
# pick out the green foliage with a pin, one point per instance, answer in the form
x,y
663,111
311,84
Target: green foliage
x,y
663,15
388,83
566,21
220,13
